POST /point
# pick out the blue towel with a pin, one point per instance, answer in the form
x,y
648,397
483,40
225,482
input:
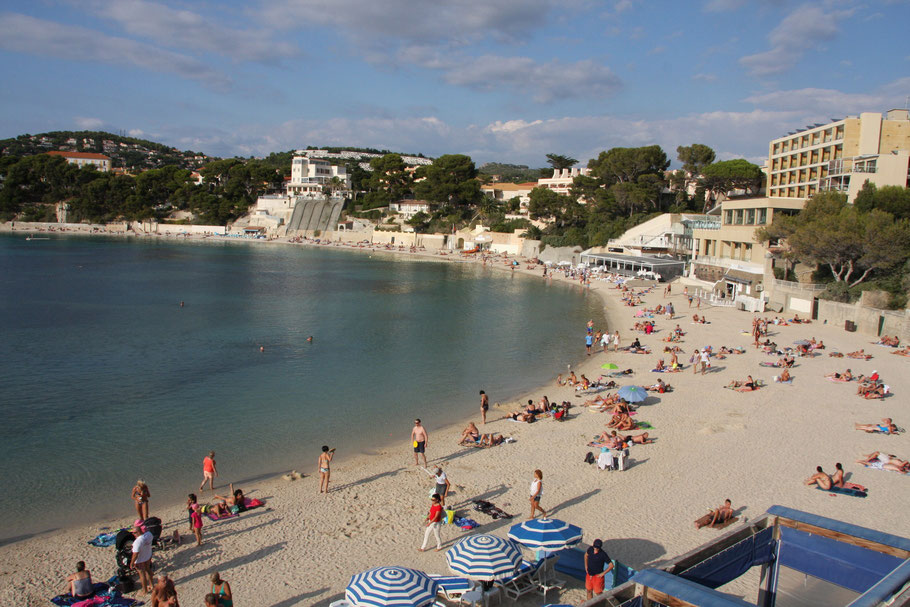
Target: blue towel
x,y
103,540
844,491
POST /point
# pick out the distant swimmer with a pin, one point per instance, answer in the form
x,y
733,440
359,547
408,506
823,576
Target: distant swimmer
x,y
310,338
262,348
181,304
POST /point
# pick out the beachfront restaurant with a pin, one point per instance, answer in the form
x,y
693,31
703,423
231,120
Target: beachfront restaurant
x,y
805,560
660,268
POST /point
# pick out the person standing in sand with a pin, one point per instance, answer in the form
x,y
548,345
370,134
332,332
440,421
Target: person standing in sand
x,y
325,468
536,493
434,521
141,558
484,407
141,496
420,439
209,471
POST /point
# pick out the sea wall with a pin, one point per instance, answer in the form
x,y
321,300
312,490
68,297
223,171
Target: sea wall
x,y
868,320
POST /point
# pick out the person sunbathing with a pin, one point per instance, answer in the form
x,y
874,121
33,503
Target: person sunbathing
x,y
872,391
584,383
236,502
660,365
746,384
638,439
845,376
784,377
470,434
621,421
859,354
660,386
621,406
820,478
905,351
882,461
716,517
886,427
490,440
838,479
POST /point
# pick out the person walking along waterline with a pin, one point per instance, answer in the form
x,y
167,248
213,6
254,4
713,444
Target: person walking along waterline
x,y
420,439
484,407
209,471
536,493
324,463
434,520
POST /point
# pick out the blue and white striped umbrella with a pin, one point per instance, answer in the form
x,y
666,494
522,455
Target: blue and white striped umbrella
x,y
391,587
484,557
545,534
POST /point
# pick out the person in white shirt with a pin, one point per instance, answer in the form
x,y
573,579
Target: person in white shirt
x,y
705,361
442,486
605,340
536,493
141,560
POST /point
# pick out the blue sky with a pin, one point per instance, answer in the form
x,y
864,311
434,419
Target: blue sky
x,y
502,80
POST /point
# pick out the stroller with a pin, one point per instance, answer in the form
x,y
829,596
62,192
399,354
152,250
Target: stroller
x,y
123,545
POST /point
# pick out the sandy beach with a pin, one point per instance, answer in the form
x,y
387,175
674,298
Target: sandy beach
x,y
712,443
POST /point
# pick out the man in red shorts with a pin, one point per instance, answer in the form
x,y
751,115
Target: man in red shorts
x,y
595,568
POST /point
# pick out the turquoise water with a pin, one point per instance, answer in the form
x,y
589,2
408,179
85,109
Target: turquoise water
x,y
105,378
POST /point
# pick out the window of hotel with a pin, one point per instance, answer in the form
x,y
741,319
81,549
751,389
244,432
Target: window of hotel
x,y
828,135
762,216
747,251
750,217
776,148
839,132
728,217
739,217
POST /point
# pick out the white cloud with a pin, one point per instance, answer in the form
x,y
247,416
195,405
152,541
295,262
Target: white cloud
x,y
88,124
657,50
822,104
454,21
24,34
185,29
804,28
138,133
738,134
542,82
703,77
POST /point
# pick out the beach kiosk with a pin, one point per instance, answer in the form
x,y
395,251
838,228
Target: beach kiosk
x,y
805,560
662,268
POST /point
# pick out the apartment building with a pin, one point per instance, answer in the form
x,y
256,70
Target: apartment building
x,y
562,179
841,156
81,159
308,175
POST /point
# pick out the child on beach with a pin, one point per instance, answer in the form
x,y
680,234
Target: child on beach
x,y
196,519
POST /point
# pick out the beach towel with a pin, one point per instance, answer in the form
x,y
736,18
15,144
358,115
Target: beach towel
x,y
103,540
248,503
839,380
773,365
105,596
844,491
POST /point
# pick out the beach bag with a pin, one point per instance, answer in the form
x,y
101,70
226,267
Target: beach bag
x,y
589,458
450,517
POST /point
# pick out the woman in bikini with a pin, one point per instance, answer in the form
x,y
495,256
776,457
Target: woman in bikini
x,y
324,463
140,495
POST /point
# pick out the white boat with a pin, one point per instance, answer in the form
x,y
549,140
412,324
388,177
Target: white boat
x,y
33,237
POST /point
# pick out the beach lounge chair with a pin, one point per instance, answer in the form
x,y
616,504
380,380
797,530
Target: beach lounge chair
x,y
522,582
451,587
545,578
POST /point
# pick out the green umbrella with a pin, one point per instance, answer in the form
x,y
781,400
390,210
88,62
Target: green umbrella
x,y
609,366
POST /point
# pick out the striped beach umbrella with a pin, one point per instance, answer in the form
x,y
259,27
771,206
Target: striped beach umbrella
x,y
545,534
632,394
484,557
391,587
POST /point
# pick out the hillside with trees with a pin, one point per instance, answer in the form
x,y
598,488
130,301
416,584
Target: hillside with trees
x,y
128,153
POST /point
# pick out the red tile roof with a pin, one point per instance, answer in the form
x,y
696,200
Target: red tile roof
x,y
86,155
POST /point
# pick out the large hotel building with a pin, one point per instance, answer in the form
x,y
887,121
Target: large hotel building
x,y
840,156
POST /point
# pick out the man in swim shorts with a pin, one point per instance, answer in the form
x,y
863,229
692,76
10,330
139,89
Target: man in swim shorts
x,y
596,566
420,439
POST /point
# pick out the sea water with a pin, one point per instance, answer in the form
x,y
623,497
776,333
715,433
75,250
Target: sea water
x,y
106,378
